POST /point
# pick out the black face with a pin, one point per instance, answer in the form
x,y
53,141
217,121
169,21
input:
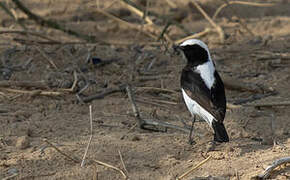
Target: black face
x,y
195,54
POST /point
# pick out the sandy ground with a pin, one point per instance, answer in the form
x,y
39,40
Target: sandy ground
x,y
26,119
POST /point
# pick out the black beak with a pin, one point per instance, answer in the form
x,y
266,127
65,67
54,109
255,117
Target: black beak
x,y
177,49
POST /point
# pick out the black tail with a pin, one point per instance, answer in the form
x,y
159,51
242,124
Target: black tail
x,y
220,133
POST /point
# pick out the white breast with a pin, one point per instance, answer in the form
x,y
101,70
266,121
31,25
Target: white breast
x,y
206,71
196,109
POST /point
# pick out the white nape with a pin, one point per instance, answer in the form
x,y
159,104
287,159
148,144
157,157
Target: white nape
x,y
196,109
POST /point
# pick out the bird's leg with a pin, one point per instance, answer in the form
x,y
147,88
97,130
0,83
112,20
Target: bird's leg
x,y
190,140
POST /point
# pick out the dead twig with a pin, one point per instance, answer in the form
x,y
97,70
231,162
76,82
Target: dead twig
x,y
106,92
130,25
194,168
46,57
11,176
273,166
151,103
253,97
58,150
112,167
155,89
241,22
34,92
137,11
24,84
91,136
196,35
77,161
123,164
72,89
242,3
150,26
11,14
131,128
235,84
134,106
270,104
29,33
233,106
217,27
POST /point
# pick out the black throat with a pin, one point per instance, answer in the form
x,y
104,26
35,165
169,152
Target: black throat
x,y
195,54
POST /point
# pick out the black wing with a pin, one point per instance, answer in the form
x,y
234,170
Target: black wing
x,y
213,100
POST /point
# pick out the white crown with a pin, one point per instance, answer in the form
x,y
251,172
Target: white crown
x,y
193,42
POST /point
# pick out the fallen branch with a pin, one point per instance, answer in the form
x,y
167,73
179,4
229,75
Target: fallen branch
x,y
271,168
217,27
194,168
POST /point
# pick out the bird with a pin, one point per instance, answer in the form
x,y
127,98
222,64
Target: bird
x,y
202,88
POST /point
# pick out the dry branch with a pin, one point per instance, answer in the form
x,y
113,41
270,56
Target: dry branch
x,y
51,24
194,168
270,168
217,27
242,3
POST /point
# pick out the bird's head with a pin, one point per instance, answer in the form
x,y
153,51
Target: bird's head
x,y
195,51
